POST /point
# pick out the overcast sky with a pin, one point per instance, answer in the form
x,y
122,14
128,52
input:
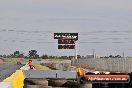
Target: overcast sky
x,y
103,25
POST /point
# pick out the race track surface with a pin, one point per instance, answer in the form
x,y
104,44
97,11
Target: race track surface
x,y
7,69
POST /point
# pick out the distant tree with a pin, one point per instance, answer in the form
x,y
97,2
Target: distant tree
x,y
16,54
54,57
111,56
105,57
26,57
78,56
51,57
21,56
33,54
4,56
118,56
63,57
36,56
44,56
0,55
11,55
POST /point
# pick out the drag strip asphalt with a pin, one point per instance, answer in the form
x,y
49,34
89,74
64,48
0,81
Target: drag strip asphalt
x,y
8,69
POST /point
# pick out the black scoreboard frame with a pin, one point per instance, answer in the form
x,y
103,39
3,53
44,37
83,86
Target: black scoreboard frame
x,y
66,40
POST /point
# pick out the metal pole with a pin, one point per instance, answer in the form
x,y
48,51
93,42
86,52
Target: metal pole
x,y
118,64
123,54
93,53
123,60
111,65
75,50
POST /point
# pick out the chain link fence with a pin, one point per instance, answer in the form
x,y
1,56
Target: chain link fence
x,y
107,64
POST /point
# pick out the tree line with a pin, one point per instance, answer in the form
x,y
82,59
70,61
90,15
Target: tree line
x,y
32,54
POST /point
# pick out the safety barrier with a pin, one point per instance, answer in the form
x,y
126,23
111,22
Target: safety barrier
x,y
16,79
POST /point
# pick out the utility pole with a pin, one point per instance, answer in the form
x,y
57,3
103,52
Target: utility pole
x,y
123,55
93,53
75,50
123,60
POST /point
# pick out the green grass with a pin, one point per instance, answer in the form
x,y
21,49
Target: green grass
x,y
40,67
10,60
13,61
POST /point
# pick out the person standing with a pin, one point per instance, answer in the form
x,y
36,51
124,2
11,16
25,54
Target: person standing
x,y
30,63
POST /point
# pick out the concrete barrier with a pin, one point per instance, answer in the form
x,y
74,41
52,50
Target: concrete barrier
x,y
16,79
50,74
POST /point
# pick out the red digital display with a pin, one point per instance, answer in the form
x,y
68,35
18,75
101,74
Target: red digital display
x,y
66,41
66,46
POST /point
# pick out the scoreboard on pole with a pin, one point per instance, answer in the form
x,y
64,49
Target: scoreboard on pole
x,y
66,40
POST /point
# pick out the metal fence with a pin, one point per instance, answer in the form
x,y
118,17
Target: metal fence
x,y
107,64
